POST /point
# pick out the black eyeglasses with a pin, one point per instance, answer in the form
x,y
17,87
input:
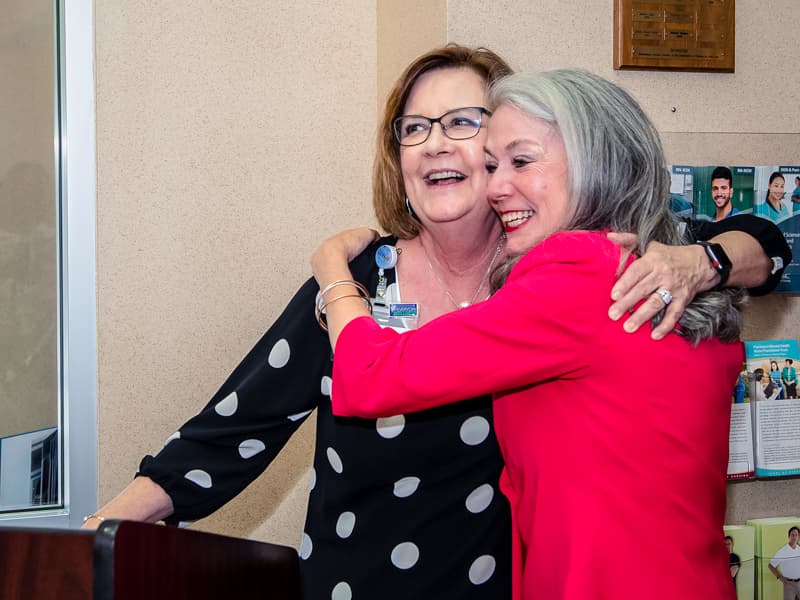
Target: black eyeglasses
x,y
457,124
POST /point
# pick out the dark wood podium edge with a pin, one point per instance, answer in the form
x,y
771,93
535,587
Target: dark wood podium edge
x,y
126,540
103,560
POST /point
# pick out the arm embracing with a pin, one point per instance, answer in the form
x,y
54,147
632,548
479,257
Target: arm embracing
x,y
756,248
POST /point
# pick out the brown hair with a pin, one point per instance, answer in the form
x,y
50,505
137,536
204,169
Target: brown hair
x,y
388,194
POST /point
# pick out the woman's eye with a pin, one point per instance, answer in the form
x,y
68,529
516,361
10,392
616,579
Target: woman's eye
x,y
491,168
521,161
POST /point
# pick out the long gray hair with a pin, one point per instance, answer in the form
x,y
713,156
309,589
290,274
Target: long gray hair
x,y
618,178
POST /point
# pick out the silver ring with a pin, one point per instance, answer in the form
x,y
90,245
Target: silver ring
x,y
665,295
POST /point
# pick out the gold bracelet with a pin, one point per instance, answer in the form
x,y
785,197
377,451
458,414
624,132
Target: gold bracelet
x,y
100,518
319,311
360,287
320,304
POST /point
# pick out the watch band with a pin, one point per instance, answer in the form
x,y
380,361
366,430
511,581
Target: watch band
x,y
719,261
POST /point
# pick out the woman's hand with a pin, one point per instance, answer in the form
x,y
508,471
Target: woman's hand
x,y
682,270
332,255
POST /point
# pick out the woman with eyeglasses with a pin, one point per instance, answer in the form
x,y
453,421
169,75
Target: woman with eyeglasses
x,y
406,506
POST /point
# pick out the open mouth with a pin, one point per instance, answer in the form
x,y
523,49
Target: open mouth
x,y
444,177
515,219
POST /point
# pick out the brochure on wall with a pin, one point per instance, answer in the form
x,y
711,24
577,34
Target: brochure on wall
x,y
740,540
772,546
741,459
681,190
715,192
775,407
786,180
717,197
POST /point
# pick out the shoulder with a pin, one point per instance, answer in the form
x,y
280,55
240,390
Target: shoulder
x,y
590,248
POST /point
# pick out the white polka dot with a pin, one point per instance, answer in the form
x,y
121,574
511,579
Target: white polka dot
x,y
312,479
333,458
341,591
174,436
390,427
199,477
406,486
228,405
474,430
279,355
300,415
482,569
249,448
306,547
325,386
480,498
405,555
345,524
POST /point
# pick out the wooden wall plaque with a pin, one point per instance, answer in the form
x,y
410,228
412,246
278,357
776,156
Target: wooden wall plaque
x,y
674,35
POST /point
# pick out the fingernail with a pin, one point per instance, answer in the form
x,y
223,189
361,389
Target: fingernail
x,y
614,314
614,295
657,335
628,326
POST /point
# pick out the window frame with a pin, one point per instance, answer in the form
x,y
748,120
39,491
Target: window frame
x,y
74,144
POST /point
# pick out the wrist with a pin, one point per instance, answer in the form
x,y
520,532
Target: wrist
x,y
718,262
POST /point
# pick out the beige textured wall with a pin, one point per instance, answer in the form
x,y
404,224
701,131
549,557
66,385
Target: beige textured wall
x,y
405,30
751,116
215,181
28,335
231,137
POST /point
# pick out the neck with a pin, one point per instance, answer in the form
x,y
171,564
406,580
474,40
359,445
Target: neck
x,y
723,212
458,251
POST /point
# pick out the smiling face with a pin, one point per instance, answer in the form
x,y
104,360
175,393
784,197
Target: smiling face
x,y
794,534
445,179
776,190
721,192
528,178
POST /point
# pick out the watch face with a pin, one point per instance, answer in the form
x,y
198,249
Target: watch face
x,y
719,257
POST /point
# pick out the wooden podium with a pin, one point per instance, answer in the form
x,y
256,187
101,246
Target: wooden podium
x,y
126,560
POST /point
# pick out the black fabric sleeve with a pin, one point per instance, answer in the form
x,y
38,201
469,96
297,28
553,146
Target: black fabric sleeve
x,y
763,230
222,449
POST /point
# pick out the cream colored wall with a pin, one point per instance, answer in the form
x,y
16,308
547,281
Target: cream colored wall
x,y
231,137
751,116
215,180
406,29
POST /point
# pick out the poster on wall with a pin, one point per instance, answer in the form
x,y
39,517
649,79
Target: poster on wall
x,y
716,192
722,191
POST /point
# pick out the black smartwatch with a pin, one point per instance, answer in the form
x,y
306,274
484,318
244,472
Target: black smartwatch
x,y
719,261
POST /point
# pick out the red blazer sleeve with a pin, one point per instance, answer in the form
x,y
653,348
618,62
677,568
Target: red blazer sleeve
x,y
537,327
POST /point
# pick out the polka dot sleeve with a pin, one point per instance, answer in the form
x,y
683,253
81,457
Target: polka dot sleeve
x,y
221,450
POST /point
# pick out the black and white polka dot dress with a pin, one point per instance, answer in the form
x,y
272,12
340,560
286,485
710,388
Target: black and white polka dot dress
x,y
404,507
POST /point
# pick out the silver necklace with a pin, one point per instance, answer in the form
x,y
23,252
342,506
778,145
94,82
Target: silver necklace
x,y
465,303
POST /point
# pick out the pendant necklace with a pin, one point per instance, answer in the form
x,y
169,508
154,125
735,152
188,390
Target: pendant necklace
x,y
465,303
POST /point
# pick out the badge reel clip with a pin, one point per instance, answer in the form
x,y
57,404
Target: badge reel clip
x,y
390,314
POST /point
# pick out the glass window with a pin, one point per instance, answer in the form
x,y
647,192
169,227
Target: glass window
x,y
48,353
